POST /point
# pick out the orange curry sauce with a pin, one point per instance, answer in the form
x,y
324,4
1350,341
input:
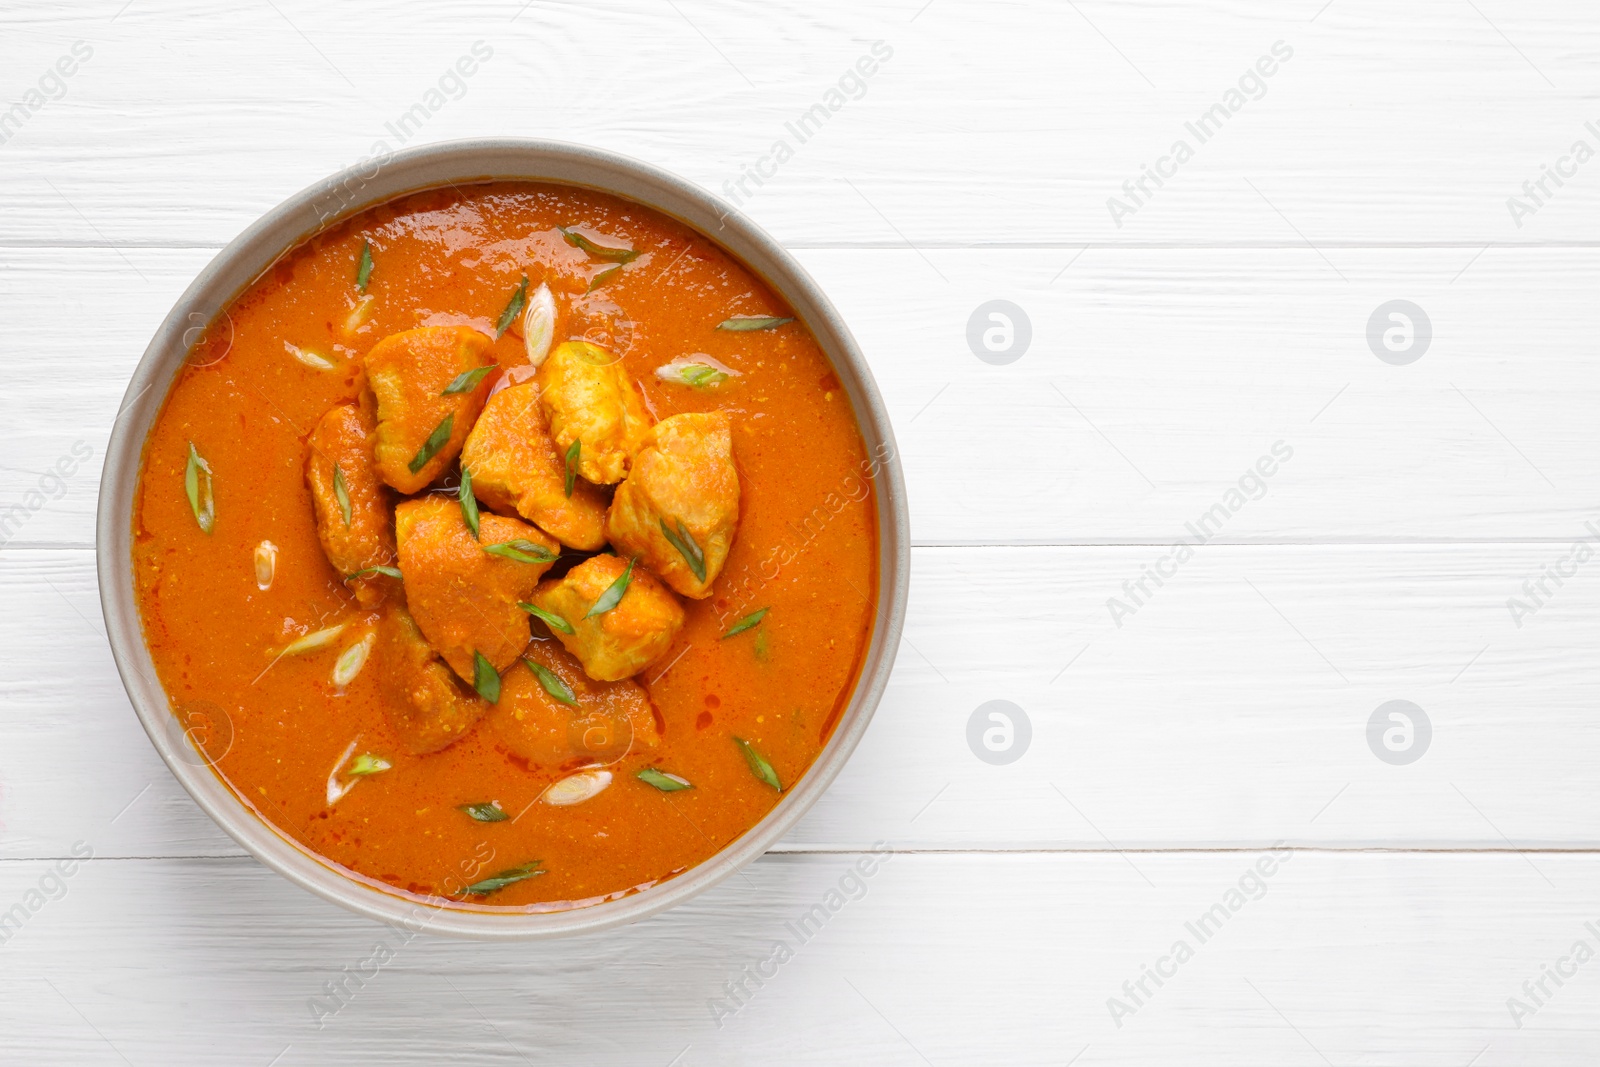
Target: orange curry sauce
x,y
806,548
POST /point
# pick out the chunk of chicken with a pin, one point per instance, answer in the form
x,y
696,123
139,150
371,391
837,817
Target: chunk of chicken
x,y
607,720
428,706
586,396
515,467
409,373
339,459
464,598
623,641
683,488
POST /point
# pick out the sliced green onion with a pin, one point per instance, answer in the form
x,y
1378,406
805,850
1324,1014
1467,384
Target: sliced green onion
x,y
435,441
513,309
574,453
314,360
692,553
539,325
613,594
197,485
667,783
522,550
490,812
358,314
577,788
698,371
485,679
341,493
701,376
366,764
311,642
266,560
351,660
746,323
612,252
467,380
549,618
504,878
752,619
604,276
364,271
758,764
551,682
469,503
368,572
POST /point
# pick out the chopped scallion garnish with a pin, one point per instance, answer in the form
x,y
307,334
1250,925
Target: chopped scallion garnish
x,y
513,309
614,253
752,619
490,812
341,493
312,641
504,878
436,440
604,276
368,572
758,764
366,764
746,323
469,503
364,271
667,783
197,486
613,594
550,618
522,550
574,453
697,370
693,555
551,682
467,380
485,679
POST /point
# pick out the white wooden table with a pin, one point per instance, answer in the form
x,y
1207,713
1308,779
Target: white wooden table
x,y
1173,745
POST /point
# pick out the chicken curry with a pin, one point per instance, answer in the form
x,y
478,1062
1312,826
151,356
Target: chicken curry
x,y
514,543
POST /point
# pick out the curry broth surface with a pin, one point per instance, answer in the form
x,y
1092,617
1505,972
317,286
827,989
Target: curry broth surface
x,y
806,548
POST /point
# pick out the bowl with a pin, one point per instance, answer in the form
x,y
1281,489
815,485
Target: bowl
x,y
325,204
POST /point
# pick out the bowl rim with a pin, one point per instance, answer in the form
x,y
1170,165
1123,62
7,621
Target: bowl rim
x,y
326,203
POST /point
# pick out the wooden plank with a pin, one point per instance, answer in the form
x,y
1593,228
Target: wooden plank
x,y
1230,708
1343,958
993,122
1154,381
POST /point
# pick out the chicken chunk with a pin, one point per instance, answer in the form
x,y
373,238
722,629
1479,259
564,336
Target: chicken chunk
x,y
605,722
684,489
421,427
622,641
428,706
464,598
586,397
352,512
515,467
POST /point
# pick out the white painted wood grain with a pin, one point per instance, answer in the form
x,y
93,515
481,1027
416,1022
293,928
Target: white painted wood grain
x,y
1347,958
995,121
1154,380
1230,710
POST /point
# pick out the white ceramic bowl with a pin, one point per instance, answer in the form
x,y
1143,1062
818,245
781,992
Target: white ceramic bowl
x,y
327,203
